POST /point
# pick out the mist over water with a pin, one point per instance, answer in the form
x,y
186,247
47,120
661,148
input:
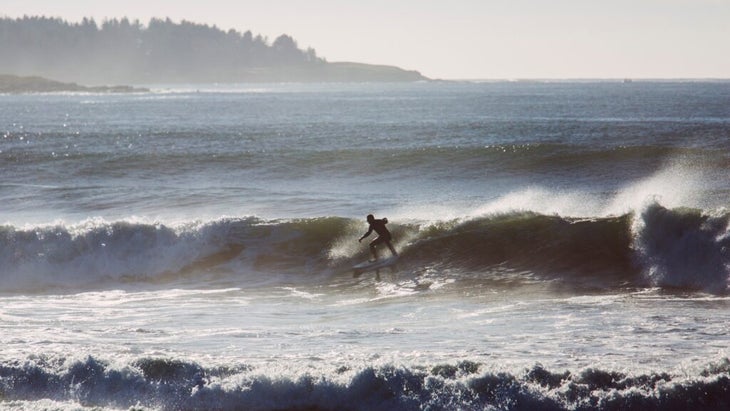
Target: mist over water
x,y
563,246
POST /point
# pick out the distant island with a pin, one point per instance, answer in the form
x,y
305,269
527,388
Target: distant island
x,y
120,51
34,84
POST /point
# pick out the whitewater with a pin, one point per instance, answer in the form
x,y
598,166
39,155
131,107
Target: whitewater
x,y
564,246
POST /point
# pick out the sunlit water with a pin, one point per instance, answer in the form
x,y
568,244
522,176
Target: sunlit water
x,y
563,246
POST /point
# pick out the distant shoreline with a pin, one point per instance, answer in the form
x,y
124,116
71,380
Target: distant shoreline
x,y
13,84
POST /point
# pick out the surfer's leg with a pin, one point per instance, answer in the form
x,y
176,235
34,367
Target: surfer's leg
x,y
374,246
392,249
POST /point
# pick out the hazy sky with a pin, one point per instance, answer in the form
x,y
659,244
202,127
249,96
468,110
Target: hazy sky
x,y
463,38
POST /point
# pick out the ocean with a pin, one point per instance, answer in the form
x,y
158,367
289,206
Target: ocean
x,y
563,246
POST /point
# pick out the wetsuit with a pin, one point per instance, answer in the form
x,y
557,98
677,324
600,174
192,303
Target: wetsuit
x,y
384,236
379,227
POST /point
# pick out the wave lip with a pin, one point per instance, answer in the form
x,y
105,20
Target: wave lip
x,y
684,248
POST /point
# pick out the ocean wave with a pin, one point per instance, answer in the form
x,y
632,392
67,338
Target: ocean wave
x,y
278,154
684,248
657,246
96,252
167,384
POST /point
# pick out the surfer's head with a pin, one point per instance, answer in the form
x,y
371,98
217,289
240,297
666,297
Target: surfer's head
x,y
370,218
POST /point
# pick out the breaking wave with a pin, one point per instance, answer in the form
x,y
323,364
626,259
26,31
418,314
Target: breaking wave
x,y
662,247
169,384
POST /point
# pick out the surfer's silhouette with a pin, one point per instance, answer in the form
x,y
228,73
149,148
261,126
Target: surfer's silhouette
x,y
383,235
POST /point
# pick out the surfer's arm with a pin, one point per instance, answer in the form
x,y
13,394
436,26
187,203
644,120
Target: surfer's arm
x,y
370,230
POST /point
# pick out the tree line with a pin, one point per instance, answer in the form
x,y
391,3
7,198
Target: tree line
x,y
124,51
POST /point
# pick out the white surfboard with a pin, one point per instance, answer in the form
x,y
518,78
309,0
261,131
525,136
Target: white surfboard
x,y
374,265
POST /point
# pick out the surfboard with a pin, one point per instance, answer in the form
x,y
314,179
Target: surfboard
x,y
374,265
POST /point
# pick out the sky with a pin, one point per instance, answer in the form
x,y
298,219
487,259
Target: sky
x,y
462,39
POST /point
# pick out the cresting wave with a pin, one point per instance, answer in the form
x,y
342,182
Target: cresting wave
x,y
670,248
168,384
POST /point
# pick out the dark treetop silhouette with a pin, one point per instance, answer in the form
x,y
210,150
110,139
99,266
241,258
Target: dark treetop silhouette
x,y
124,52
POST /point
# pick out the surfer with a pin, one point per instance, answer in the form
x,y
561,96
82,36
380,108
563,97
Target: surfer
x,y
383,235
